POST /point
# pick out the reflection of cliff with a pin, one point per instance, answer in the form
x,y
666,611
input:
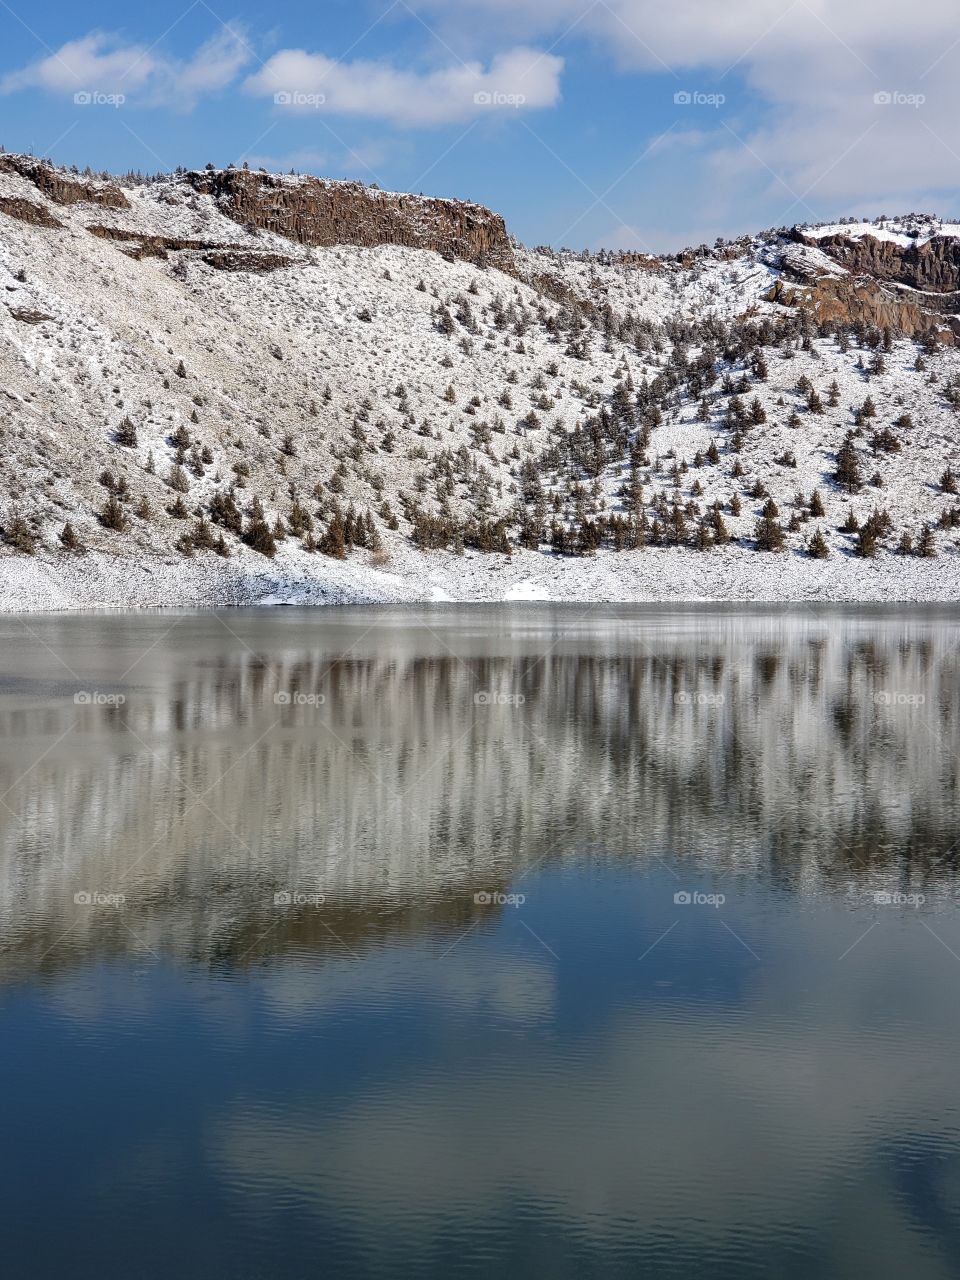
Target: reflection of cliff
x,y
756,746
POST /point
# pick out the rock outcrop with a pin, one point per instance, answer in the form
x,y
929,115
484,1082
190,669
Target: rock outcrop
x,y
861,300
312,211
224,257
913,289
62,187
933,266
27,211
229,259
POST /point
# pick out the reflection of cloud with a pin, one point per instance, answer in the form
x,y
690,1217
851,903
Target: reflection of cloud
x,y
657,1128
510,987
667,1119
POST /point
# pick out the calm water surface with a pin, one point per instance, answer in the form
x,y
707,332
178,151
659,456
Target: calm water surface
x,y
480,942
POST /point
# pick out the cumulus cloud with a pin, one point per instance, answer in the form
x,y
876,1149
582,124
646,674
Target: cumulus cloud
x,y
520,78
846,101
97,60
102,63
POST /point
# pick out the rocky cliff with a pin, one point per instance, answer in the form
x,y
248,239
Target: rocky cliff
x,y
61,186
312,211
932,265
913,289
862,301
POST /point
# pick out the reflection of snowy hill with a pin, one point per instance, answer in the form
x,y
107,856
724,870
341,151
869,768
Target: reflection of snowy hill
x,y
398,768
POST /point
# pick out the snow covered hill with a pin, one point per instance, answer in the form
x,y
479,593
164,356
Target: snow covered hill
x,y
228,387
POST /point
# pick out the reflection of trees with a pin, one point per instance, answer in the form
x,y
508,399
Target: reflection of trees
x,y
738,748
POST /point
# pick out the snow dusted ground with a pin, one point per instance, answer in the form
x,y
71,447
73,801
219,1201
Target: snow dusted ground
x,y
915,229
658,574
319,351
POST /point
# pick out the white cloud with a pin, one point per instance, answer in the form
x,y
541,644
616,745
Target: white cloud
x,y
97,61
811,128
102,63
213,67
517,79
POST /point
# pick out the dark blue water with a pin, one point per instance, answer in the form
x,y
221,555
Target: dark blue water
x,y
480,943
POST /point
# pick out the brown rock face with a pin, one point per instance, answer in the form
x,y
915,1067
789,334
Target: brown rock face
x,y
26,316
933,266
224,257
313,212
147,246
243,260
26,211
862,301
64,188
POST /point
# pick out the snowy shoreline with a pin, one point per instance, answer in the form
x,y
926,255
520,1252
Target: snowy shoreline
x,y
734,574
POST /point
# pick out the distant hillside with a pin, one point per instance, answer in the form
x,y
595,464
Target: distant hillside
x,y
229,386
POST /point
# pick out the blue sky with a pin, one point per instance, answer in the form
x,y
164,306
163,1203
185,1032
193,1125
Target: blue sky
x,y
648,124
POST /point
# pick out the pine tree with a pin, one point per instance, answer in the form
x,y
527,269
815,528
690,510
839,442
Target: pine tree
x,y
127,433
769,534
867,542
20,536
927,546
333,543
848,475
817,547
112,516
68,539
178,480
851,524
256,534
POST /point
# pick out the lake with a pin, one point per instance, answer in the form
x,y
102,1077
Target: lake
x,y
480,942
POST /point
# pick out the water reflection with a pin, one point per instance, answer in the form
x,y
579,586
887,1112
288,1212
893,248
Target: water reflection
x,y
312,1030
398,767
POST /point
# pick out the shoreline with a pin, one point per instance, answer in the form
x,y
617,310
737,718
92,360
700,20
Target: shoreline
x,y
735,575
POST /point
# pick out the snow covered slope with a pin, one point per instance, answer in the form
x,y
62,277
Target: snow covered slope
x,y
424,410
